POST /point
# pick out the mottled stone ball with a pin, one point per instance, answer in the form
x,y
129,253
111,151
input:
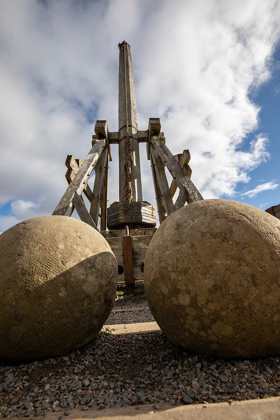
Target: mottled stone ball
x,y
212,279
57,287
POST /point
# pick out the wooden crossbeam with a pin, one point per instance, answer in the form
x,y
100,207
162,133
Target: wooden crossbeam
x,y
100,171
82,210
65,206
183,182
162,181
73,166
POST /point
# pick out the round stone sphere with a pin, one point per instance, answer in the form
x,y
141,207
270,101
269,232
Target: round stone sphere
x,y
212,279
57,287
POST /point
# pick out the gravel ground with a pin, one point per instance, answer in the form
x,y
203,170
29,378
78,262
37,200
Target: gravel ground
x,y
129,310
131,370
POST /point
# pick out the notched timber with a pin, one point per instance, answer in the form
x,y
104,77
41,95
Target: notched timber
x,y
73,166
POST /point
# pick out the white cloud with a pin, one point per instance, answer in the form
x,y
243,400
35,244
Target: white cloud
x,y
195,64
271,185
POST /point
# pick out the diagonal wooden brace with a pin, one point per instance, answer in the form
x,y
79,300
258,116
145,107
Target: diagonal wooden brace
x,y
183,182
65,206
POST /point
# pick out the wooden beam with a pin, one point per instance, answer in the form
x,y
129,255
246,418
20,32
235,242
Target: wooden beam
x,y
159,199
183,160
82,210
65,205
128,260
103,204
102,133
114,137
183,182
98,186
153,130
162,181
73,166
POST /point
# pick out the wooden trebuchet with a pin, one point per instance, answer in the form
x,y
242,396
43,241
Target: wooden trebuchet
x,y
183,181
65,206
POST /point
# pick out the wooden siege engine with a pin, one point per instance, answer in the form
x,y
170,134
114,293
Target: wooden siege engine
x,y
129,224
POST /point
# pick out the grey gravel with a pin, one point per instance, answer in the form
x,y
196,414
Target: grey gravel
x,y
131,370
129,310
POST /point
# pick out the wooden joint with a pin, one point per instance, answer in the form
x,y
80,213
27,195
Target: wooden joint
x,y
102,133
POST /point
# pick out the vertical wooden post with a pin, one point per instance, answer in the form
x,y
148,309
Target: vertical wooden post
x,y
103,204
98,186
128,259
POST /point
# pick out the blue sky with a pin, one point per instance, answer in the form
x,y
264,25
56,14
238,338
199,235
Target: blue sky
x,y
210,71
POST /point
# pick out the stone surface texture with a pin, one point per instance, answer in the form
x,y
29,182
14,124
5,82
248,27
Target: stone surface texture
x,y
57,287
212,279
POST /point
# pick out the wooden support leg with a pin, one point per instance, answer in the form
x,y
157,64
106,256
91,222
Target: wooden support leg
x,y
162,181
65,206
128,259
159,199
103,204
98,186
183,181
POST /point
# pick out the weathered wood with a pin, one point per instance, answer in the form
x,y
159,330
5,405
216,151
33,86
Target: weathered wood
x,y
65,205
98,186
183,160
103,204
128,260
162,181
159,199
73,166
141,328
183,182
101,133
114,137
153,130
181,200
82,210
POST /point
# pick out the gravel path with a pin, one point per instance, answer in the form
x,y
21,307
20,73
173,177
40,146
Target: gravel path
x,y
131,370
130,310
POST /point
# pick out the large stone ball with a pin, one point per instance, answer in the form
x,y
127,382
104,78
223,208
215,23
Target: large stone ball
x,y
212,279
57,287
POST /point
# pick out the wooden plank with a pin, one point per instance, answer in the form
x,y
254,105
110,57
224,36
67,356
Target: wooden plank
x,y
141,328
176,171
103,204
159,199
128,260
65,205
116,311
73,168
82,210
162,181
98,186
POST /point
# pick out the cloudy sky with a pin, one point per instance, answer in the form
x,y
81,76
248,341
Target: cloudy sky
x,y
209,69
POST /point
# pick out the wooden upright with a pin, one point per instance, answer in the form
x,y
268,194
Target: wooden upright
x,y
129,224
